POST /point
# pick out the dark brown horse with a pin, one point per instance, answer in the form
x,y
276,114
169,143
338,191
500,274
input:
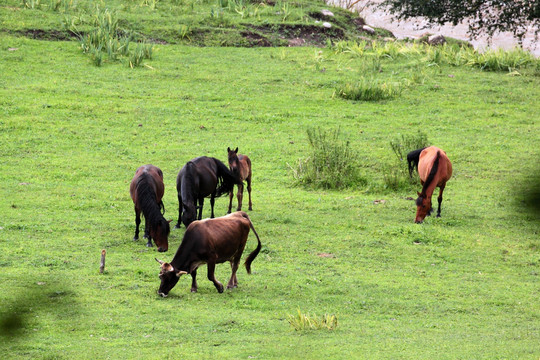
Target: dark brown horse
x,y
240,166
201,177
147,190
435,169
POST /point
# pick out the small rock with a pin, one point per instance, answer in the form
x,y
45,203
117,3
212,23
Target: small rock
x,y
368,29
13,49
437,39
327,13
327,25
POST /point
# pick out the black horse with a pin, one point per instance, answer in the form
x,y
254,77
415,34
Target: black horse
x,y
199,178
412,158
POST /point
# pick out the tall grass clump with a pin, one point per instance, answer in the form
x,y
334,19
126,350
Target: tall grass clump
x,y
302,322
105,37
396,174
368,89
501,60
332,163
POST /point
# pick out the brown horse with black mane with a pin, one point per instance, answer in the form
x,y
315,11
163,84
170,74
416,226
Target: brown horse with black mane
x,y
240,166
435,169
147,190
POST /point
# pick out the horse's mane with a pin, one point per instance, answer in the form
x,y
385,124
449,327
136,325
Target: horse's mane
x,y
146,199
226,180
432,173
187,183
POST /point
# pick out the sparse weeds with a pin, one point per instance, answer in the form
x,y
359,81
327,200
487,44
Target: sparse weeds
x,y
303,322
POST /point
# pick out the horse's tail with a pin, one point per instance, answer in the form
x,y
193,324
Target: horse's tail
x,y
413,158
226,179
146,198
432,173
255,252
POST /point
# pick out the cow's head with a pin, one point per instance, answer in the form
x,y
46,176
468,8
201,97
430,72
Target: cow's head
x,y
233,161
160,233
423,208
169,277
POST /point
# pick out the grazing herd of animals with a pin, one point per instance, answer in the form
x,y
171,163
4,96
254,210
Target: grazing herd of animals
x,y
217,240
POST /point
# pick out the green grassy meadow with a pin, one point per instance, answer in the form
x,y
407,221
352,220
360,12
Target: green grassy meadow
x,y
463,286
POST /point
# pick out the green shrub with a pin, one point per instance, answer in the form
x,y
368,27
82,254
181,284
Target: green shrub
x,y
501,60
331,165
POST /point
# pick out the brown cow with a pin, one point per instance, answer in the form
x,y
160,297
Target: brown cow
x,y
210,241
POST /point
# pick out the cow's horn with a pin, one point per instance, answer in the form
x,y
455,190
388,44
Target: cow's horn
x,y
159,261
180,273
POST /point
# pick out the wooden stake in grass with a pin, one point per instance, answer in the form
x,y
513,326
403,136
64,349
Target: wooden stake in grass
x,y
102,266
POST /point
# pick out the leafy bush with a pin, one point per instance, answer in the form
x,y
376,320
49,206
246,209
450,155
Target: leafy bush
x,y
332,164
404,144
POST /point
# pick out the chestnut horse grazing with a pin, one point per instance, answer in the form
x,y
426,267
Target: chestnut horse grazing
x,y
240,166
147,190
199,178
435,169
211,242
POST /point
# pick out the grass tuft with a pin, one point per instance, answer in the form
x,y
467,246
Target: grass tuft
x,y
303,322
368,89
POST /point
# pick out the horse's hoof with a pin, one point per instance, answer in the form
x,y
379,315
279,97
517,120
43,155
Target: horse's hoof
x,y
193,290
135,238
146,236
250,209
177,226
149,245
438,215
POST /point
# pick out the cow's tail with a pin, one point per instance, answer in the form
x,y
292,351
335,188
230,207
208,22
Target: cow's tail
x,y
255,252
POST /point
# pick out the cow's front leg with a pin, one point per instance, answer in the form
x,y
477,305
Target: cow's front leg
x,y
194,281
212,278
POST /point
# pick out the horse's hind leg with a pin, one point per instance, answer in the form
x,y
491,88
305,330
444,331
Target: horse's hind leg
x,y
137,223
233,282
248,180
439,199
